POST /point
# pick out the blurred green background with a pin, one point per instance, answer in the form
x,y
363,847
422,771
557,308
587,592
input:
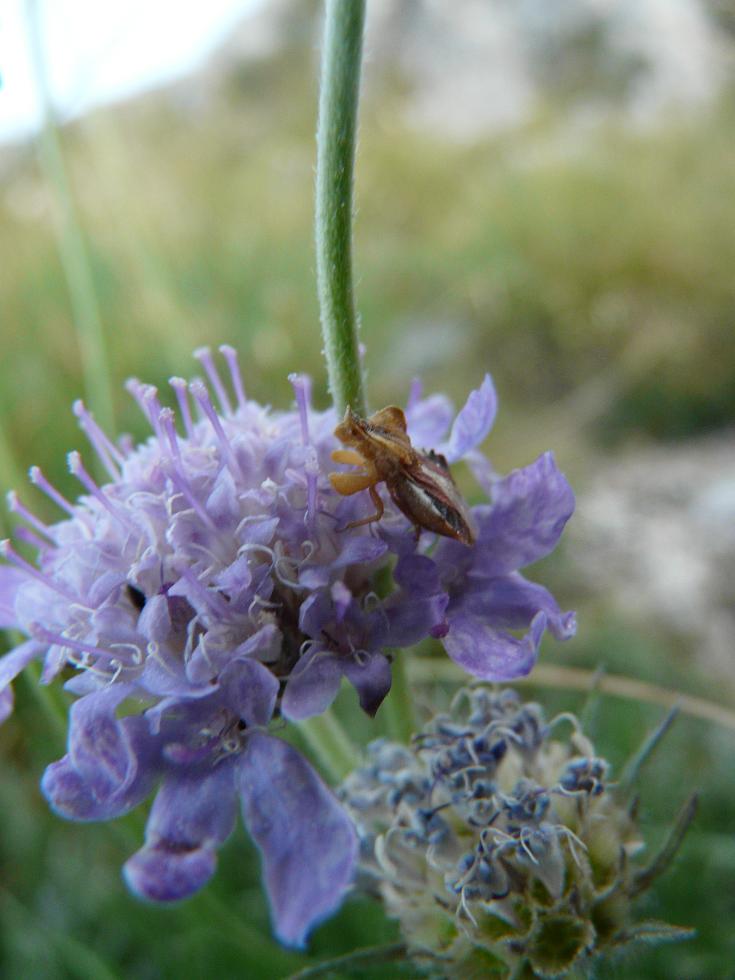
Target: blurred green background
x,y
583,251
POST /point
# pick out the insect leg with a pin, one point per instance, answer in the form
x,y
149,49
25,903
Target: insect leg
x,y
349,483
379,508
348,456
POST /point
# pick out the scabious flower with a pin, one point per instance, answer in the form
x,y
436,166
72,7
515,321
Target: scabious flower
x,y
502,851
212,585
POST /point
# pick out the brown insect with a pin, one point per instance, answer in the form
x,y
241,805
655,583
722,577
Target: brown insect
x,y
420,483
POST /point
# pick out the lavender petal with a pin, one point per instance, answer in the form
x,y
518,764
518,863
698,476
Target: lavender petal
x,y
10,666
511,602
250,691
307,841
428,420
75,794
524,522
191,816
312,686
492,654
371,678
473,422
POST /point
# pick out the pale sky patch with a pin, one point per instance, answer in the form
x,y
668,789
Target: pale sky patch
x,y
102,50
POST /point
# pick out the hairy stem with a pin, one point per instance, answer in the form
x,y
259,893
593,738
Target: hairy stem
x,y
331,745
336,137
398,709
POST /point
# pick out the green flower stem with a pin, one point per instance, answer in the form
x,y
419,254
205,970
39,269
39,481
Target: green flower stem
x,y
330,743
349,961
398,708
73,249
336,135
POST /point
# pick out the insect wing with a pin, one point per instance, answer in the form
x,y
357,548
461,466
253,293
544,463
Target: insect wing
x,y
428,496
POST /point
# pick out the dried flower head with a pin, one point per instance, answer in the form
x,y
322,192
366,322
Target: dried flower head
x,y
502,851
214,584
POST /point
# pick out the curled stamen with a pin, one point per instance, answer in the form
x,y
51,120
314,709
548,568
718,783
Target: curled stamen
x,y
107,451
192,636
308,548
252,547
204,356
154,652
382,844
215,560
88,666
283,577
573,841
251,519
523,840
230,355
137,653
465,909
202,646
565,716
306,647
371,601
263,604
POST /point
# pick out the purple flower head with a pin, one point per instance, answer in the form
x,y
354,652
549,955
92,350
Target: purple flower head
x,y
213,583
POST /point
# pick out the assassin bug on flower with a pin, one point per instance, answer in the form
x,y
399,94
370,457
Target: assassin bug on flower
x,y
420,483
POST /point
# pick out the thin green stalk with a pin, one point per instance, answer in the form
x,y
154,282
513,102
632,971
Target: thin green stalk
x,y
331,744
73,248
434,670
398,708
631,772
349,961
336,137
